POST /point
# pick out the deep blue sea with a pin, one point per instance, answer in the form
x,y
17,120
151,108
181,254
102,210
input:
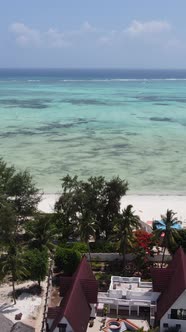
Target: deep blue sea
x,y
130,123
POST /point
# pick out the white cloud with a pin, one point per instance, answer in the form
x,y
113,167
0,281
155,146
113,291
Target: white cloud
x,y
88,27
108,39
56,39
25,35
52,38
104,40
137,28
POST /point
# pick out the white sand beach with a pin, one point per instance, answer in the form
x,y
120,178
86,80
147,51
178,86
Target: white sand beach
x,y
31,306
47,203
148,207
152,207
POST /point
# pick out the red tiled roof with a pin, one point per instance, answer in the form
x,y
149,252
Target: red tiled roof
x,y
75,304
90,288
160,278
176,282
65,284
53,312
78,310
84,270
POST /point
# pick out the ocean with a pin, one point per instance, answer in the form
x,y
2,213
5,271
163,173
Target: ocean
x,y
130,123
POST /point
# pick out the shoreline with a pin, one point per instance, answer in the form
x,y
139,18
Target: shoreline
x,y
148,207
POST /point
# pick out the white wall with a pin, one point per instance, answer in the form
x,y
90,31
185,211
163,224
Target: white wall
x,y
49,321
179,304
93,310
63,321
115,293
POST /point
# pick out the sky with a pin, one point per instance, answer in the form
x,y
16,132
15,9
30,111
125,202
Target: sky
x,y
93,33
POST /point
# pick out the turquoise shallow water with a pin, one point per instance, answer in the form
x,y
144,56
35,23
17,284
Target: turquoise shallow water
x,y
134,127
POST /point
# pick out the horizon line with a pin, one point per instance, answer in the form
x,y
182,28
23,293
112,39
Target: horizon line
x,y
88,68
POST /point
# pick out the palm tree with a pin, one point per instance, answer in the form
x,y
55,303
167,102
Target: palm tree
x,y
13,265
42,232
126,223
11,259
168,230
86,229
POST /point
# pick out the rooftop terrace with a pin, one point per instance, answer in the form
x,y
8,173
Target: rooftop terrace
x,y
131,294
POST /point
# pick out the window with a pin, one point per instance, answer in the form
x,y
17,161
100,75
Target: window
x,y
178,314
173,313
62,327
165,325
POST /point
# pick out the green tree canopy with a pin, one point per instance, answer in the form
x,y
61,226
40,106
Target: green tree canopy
x,y
18,189
18,202
167,232
41,231
181,241
96,200
36,262
125,225
67,260
13,265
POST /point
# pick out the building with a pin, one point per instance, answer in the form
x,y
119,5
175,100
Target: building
x,y
79,296
164,298
171,282
6,325
130,294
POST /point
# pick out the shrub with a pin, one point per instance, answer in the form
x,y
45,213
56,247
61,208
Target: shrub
x,y
67,260
144,240
102,246
114,267
103,280
36,264
96,266
78,246
81,247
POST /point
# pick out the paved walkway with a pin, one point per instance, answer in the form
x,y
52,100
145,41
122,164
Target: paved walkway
x,y
97,325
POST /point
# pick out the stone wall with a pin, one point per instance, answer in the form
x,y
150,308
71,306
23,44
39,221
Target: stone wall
x,y
108,257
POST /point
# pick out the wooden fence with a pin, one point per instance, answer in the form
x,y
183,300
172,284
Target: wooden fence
x,y
47,297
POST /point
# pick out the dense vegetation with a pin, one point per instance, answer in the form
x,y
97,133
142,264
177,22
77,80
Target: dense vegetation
x,y
87,217
18,203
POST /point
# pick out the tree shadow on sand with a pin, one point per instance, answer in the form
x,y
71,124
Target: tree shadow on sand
x,y
6,308
34,289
